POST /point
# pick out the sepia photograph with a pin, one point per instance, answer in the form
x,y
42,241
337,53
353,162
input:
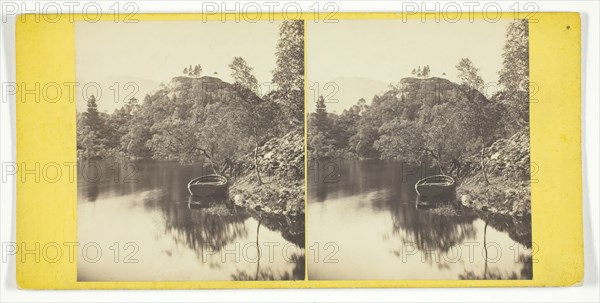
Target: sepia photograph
x,y
299,151
418,150
190,150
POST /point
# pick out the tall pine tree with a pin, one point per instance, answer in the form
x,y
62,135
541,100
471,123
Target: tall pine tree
x,y
321,115
92,115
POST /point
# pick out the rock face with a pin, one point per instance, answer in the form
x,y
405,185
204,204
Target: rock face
x,y
510,157
434,90
203,90
508,168
206,83
281,163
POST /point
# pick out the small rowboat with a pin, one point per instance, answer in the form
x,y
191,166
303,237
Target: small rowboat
x,y
207,185
435,186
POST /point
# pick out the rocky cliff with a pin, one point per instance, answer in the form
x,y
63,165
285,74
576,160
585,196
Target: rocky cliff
x,y
434,90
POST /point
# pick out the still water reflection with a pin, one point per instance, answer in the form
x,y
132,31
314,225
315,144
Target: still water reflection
x,y
135,224
363,224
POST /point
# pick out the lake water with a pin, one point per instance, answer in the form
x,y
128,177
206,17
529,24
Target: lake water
x,y
135,224
363,224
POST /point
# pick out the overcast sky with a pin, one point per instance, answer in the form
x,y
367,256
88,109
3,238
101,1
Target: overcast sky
x,y
388,50
159,50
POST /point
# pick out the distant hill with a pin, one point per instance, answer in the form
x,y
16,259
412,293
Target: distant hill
x,y
350,90
125,87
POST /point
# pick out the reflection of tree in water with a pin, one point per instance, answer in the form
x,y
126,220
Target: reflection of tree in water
x,y
336,178
201,228
429,231
93,191
267,274
124,177
495,274
435,231
527,270
517,228
216,224
290,227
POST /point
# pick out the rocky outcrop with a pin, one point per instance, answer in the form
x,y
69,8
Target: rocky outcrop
x,y
507,165
434,90
281,163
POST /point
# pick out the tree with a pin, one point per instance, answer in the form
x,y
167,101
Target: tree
x,y
400,137
219,121
92,138
133,103
139,133
190,73
256,119
197,70
514,75
82,131
468,74
215,138
360,106
185,71
418,72
425,72
243,74
319,143
289,71
483,115
255,116
366,135
133,143
484,120
321,114
92,114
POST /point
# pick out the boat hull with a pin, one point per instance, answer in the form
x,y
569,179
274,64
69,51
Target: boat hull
x,y
208,185
435,186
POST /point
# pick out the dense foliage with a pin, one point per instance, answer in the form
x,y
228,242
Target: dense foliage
x,y
415,119
514,76
289,71
430,119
